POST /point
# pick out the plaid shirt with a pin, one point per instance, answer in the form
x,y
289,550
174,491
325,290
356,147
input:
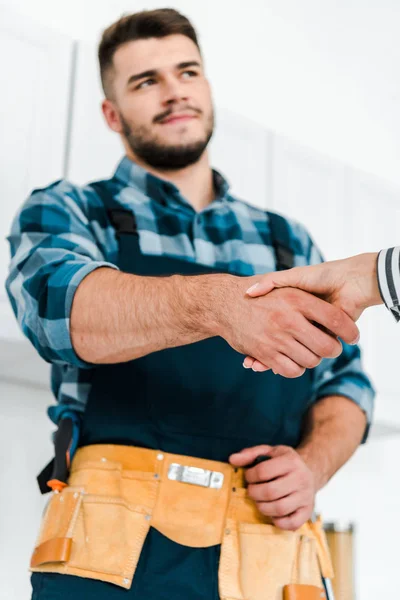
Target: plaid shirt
x,y
62,233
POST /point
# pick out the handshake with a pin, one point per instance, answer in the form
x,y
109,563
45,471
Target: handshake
x,y
333,296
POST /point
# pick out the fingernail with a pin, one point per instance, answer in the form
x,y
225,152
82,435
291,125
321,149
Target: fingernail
x,y
252,288
356,341
245,366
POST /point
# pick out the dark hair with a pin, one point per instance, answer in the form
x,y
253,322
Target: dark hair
x,y
139,26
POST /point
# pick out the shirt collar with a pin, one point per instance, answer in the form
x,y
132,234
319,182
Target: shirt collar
x,y
131,174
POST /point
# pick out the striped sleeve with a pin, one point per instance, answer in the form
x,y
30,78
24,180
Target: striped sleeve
x,y
388,269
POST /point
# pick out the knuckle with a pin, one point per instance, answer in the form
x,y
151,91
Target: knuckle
x,y
288,368
253,492
262,471
336,321
295,371
263,509
282,320
267,495
282,448
260,351
285,319
313,362
282,508
294,523
304,480
269,492
329,347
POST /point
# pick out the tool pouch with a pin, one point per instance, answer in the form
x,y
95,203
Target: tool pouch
x,y
97,525
262,562
90,529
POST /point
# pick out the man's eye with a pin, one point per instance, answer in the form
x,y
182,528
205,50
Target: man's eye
x,y
145,84
189,74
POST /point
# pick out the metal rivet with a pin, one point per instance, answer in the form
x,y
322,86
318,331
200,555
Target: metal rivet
x,y
76,495
61,498
160,456
103,459
156,476
126,581
227,531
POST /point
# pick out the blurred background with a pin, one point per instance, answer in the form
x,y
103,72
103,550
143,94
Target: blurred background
x,y
307,96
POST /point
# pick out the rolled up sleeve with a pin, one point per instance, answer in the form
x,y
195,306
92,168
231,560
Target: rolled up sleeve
x,y
52,250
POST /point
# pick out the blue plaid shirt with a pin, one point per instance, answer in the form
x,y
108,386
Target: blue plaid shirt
x,y
62,233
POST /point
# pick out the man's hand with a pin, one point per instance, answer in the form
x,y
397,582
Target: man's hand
x,y
282,329
283,487
350,284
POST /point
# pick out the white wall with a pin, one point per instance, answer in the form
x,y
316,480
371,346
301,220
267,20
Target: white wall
x,y
25,447
323,73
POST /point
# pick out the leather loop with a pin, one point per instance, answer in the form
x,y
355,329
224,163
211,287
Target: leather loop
x,y
54,550
296,591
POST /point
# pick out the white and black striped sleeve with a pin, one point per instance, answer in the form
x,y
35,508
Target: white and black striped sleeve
x,y
388,270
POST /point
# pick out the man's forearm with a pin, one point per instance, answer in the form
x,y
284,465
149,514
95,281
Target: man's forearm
x,y
333,430
118,317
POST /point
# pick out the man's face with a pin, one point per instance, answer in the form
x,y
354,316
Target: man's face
x,y
163,101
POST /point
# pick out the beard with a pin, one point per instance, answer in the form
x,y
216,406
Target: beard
x,y
165,156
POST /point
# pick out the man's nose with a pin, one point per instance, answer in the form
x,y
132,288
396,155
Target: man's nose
x,y
173,91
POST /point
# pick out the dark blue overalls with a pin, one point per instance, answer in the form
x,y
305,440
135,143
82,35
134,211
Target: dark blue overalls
x,y
195,400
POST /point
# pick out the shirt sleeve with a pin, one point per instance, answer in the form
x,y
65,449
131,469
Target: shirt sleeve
x,y
342,376
52,250
388,270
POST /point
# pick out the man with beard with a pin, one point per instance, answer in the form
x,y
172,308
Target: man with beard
x,y
178,474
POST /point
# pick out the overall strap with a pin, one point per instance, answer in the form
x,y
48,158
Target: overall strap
x,y
281,241
123,220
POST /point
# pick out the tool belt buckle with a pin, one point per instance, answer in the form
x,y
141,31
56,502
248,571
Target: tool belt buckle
x,y
195,476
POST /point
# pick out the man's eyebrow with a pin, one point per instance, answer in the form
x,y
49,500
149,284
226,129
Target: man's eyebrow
x,y
153,72
189,63
142,75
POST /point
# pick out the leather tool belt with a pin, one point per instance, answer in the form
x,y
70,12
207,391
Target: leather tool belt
x,y
96,526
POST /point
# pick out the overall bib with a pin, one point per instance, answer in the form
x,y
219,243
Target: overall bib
x,y
195,400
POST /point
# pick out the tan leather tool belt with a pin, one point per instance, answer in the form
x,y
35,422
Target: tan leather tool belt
x,y
97,525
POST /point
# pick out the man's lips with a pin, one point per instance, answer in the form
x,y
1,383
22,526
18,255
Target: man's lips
x,y
177,119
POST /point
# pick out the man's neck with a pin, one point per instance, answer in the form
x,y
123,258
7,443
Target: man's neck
x,y
194,182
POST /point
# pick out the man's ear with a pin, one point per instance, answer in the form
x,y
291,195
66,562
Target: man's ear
x,y
111,115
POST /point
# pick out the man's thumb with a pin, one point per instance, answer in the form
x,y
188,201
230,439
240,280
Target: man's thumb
x,y
267,284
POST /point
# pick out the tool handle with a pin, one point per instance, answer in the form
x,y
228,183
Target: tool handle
x,y
258,460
